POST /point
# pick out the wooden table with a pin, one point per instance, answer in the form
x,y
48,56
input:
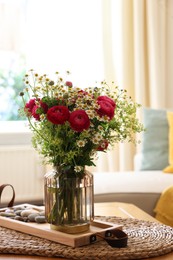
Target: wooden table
x,y
123,210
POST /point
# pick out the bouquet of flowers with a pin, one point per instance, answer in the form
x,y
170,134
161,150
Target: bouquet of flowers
x,y
71,124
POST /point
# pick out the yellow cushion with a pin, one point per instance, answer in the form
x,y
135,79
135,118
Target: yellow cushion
x,y
164,207
164,220
169,168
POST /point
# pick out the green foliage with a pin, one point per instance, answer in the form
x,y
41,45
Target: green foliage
x,y
111,120
11,84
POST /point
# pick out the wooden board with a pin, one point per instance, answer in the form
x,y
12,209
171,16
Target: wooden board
x,y
44,231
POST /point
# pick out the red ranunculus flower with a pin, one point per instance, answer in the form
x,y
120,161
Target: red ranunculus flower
x,y
103,146
106,109
44,106
107,99
79,120
58,115
32,108
34,113
30,104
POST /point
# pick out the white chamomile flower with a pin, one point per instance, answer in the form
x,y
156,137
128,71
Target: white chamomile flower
x,y
91,125
81,143
104,119
78,168
42,116
99,118
100,128
90,113
98,136
95,140
85,106
96,106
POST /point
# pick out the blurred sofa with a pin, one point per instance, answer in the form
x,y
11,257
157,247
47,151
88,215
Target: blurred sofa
x,y
143,186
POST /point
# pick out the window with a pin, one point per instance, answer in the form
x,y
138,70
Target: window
x,y
47,35
12,56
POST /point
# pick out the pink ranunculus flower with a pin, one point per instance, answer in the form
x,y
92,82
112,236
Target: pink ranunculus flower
x,y
79,120
106,109
103,146
69,84
34,113
58,115
107,99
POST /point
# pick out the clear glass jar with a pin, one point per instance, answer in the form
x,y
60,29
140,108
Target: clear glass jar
x,y
69,200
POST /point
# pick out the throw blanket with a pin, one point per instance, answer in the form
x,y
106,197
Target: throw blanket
x,y
164,207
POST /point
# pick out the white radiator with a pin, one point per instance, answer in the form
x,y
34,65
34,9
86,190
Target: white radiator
x,y
21,167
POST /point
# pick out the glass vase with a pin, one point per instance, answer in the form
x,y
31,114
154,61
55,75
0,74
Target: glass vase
x,y
69,200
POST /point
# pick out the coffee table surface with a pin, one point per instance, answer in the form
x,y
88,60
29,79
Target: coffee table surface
x,y
123,210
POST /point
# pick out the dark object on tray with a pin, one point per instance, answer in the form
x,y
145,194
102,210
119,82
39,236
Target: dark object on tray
x,y
115,238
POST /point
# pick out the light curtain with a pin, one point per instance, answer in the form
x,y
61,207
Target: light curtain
x,y
128,41
12,18
145,67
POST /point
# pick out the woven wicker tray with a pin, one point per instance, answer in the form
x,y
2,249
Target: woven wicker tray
x,y
145,240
